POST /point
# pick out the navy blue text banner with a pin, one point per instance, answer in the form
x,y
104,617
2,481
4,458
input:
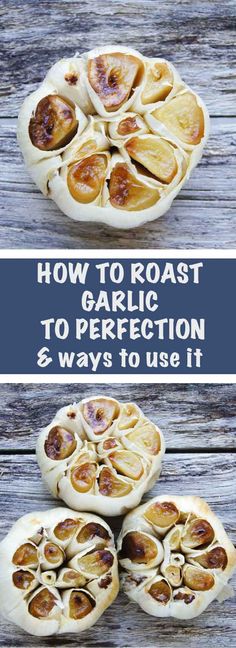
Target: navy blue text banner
x,y
119,316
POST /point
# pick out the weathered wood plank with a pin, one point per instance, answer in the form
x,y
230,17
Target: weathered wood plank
x,y
125,625
198,37
191,416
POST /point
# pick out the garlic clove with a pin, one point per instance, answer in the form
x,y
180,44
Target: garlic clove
x,y
94,563
183,117
146,436
24,579
111,486
162,515
68,578
83,477
93,531
113,77
85,178
50,555
160,591
81,603
129,416
53,124
26,555
99,413
198,579
127,192
158,84
66,529
197,533
155,154
216,558
44,603
139,548
59,444
127,463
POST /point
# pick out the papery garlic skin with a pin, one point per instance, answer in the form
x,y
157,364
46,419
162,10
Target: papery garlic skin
x,y
179,585
44,609
123,94
114,459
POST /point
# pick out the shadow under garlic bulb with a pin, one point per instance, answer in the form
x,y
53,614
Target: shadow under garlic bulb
x,y
100,455
58,571
175,555
111,136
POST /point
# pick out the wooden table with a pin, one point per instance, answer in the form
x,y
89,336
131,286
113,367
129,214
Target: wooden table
x,y
196,36
199,425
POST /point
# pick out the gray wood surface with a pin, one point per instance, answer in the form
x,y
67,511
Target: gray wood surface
x,y
196,36
199,426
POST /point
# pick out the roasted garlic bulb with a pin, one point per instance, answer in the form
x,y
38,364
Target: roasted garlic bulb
x,y
111,136
100,455
58,571
176,556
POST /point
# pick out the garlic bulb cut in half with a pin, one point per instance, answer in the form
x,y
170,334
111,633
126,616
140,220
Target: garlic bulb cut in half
x,y
111,136
100,455
62,586
193,562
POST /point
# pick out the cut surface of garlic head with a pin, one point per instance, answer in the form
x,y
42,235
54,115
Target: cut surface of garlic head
x,y
100,455
109,102
175,555
62,585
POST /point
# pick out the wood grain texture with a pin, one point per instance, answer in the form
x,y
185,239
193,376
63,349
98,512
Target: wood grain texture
x,y
124,624
199,38
190,416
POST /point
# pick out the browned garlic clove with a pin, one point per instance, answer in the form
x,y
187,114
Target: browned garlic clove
x,y
216,558
54,123
60,443
96,563
127,126
113,77
198,579
160,591
111,486
93,530
43,603
81,604
162,514
197,533
23,579
83,477
26,555
100,414
138,547
128,192
66,529
85,179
